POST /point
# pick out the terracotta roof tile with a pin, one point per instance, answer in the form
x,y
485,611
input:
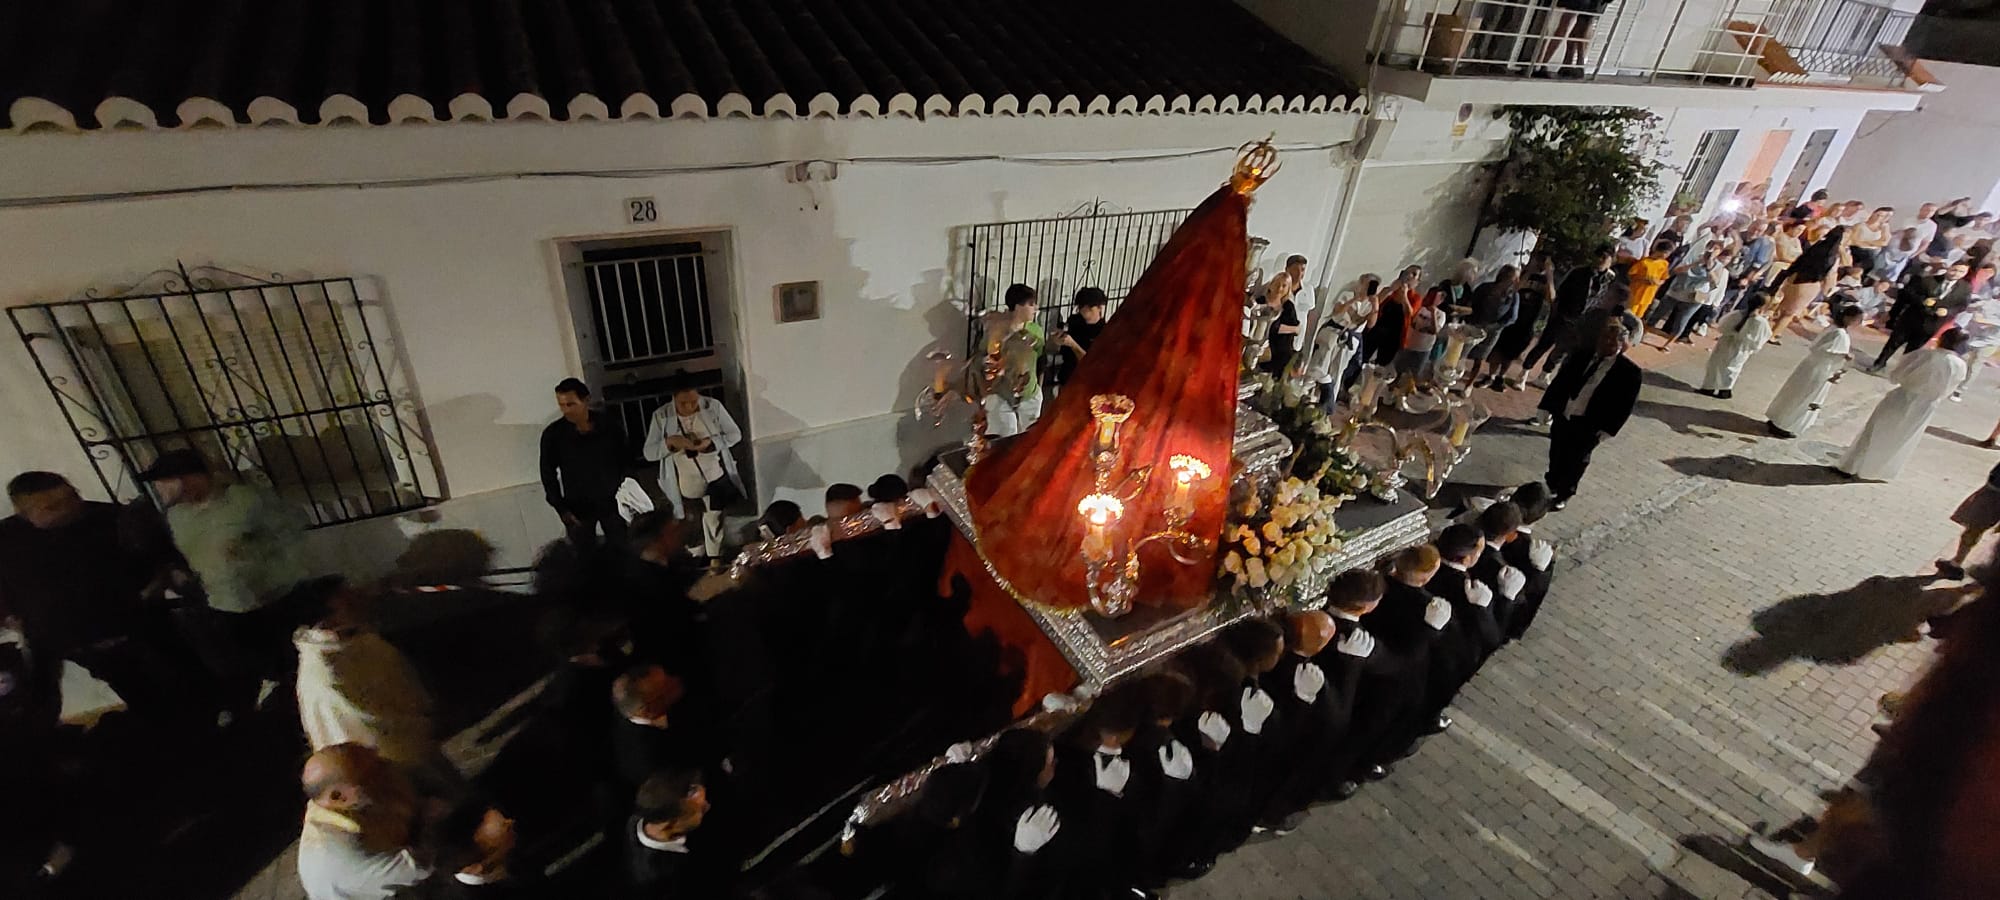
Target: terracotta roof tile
x,y
88,64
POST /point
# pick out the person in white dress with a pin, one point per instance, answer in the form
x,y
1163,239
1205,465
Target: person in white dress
x,y
1923,379
1743,332
1797,405
1338,339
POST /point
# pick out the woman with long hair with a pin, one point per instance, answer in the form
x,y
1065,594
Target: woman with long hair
x,y
1743,333
1806,278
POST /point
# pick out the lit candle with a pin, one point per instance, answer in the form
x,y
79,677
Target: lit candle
x,y
1371,387
1188,471
1100,512
1454,349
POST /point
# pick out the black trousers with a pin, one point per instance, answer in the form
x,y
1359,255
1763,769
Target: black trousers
x,y
591,516
1904,335
1557,336
152,671
1571,442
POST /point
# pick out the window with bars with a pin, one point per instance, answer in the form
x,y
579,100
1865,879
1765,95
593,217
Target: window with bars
x,y
1060,255
282,383
1703,168
650,304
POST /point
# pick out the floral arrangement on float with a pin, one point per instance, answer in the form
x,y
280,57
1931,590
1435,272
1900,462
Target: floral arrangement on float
x,y
1285,545
1316,438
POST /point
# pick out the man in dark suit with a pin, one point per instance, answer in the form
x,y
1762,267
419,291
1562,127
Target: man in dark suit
x,y
1922,307
1589,400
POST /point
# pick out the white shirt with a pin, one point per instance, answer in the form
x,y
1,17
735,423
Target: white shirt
x,y
333,864
1576,407
677,845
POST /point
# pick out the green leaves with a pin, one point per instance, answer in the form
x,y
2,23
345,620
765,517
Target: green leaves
x,y
1573,173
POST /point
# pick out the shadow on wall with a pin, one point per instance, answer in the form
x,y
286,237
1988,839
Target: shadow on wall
x,y
1840,628
917,439
1455,201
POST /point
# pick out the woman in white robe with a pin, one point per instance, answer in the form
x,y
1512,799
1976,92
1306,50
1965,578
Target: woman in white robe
x,y
1797,405
1338,339
1923,379
1743,332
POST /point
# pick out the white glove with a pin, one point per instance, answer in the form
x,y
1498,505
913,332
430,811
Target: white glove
x,y
1438,613
820,539
1112,773
1307,679
1036,827
927,500
1214,728
1054,702
885,513
1176,762
1257,707
1541,553
959,753
1477,593
1357,643
1511,582
632,500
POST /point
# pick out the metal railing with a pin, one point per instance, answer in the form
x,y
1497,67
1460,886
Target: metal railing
x,y
290,383
1840,39
1851,27
1088,248
1708,41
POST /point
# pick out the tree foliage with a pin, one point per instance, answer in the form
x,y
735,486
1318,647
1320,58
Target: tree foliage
x,y
1572,173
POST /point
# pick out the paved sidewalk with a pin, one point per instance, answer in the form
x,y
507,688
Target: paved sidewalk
x,y
1646,713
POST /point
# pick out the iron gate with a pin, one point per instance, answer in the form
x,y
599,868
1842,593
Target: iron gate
x,y
1088,248
282,382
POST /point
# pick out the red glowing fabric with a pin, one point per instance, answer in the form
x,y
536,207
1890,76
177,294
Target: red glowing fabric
x,y
1173,347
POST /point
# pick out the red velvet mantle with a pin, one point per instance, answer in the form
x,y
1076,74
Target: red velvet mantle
x,y
1173,348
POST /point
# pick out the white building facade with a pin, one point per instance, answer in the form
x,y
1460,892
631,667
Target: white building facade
x,y
494,244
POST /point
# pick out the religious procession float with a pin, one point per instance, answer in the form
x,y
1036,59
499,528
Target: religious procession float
x,y
1170,489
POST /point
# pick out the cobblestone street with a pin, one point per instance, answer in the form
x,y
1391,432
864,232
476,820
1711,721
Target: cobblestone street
x,y
1645,714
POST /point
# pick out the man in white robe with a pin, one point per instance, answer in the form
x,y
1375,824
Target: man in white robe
x,y
1923,380
1797,405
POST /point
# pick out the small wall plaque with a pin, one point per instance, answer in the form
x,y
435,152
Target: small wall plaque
x,y
798,301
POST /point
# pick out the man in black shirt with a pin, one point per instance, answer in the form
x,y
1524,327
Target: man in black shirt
x,y
1573,297
584,455
1080,331
75,576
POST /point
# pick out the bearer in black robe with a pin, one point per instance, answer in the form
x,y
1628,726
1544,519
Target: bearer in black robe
x,y
1473,633
1409,625
1242,771
1499,523
1351,660
1096,786
1534,556
1022,838
1208,730
1315,694
1163,772
667,851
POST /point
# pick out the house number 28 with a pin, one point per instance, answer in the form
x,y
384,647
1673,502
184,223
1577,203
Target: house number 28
x,y
642,211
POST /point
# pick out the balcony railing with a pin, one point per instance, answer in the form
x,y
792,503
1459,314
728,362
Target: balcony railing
x,y
1705,41
1713,41
1840,39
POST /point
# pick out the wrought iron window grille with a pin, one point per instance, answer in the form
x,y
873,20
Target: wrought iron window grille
x,y
291,383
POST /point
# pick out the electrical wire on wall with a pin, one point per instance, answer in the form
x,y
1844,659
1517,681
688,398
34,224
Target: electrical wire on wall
x,y
648,172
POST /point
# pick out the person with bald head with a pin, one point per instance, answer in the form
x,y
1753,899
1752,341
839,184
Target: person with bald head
x,y
367,835
361,826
